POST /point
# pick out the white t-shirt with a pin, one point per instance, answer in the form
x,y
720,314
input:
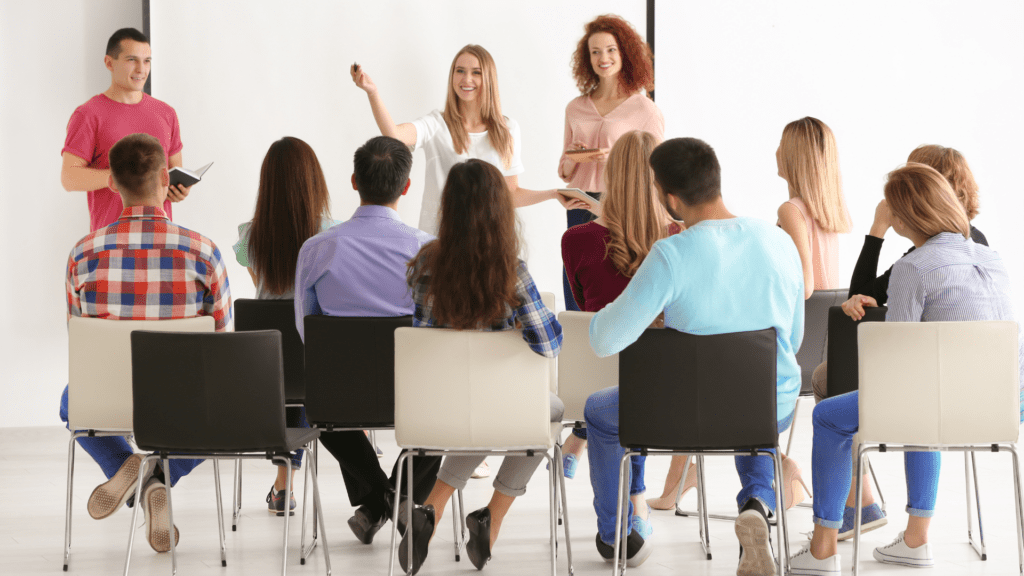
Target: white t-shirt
x,y
433,136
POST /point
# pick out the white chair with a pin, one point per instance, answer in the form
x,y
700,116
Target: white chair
x,y
472,392
100,382
962,381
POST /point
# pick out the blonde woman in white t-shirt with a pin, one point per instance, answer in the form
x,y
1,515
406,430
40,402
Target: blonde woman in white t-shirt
x,y
470,126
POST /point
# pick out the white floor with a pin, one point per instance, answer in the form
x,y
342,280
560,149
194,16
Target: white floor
x,y
33,470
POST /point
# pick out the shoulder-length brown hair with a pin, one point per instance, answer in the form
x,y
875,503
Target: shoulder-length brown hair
x,y
809,161
634,214
290,207
923,201
472,266
637,61
951,164
490,109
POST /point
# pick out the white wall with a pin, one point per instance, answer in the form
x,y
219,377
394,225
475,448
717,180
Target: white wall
x,y
51,61
243,75
885,76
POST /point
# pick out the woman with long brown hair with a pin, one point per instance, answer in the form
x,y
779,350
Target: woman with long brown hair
x,y
292,205
471,278
471,125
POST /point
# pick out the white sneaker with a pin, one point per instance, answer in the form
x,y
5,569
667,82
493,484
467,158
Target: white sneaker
x,y
482,471
899,553
804,564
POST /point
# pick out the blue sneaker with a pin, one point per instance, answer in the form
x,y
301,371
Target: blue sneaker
x,y
569,465
871,517
641,526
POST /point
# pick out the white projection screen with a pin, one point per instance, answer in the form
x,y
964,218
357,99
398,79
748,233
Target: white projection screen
x,y
885,76
243,74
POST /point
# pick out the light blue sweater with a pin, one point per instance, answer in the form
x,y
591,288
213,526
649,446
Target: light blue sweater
x,y
717,276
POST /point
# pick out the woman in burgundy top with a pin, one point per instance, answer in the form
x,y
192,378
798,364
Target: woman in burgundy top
x,y
601,256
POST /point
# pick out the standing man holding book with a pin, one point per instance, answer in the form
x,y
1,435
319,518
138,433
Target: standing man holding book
x,y
107,117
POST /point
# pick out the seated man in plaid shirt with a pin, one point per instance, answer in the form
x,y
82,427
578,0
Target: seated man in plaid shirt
x,y
110,275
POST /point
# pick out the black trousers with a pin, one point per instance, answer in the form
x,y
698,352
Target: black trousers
x,y
365,480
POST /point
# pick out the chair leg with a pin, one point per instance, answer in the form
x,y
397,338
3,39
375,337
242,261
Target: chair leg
x,y
170,517
560,475
979,547
702,508
621,517
552,513
135,515
318,509
394,524
878,487
781,526
456,514
236,496
287,514
220,513
67,517
857,507
305,505
1018,506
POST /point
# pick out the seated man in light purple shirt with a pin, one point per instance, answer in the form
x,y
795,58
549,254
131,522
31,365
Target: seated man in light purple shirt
x,y
357,268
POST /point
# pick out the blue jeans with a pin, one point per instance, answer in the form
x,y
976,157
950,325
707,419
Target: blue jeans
x,y
110,452
836,420
602,416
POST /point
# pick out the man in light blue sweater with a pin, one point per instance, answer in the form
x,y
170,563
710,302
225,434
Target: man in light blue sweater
x,y
722,274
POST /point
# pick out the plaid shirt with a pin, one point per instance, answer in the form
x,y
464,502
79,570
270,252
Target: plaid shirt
x,y
145,267
541,330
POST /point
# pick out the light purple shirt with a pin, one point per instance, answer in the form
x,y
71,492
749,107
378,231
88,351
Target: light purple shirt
x,y
358,267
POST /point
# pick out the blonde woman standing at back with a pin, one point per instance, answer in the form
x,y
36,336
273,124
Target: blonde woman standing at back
x,y
815,213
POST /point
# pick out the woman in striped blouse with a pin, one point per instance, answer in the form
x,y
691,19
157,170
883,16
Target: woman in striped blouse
x,y
949,277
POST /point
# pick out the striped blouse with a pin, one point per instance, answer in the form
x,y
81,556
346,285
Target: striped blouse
x,y
952,279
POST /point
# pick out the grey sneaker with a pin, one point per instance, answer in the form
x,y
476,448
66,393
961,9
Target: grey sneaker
x,y
154,506
108,497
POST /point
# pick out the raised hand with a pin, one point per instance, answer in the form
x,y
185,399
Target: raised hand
x,y
362,79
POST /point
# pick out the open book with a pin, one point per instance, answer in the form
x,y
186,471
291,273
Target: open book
x,y
187,177
577,194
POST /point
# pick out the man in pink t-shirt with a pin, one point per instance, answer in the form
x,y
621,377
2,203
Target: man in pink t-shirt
x,y
106,118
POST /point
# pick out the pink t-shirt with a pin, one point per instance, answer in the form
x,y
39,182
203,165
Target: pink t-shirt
x,y
98,124
824,250
584,124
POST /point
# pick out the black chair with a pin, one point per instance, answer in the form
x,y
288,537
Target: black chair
x,y
842,370
717,396
350,384
212,396
277,315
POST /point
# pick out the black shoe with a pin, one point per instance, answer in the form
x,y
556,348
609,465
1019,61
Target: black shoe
x,y
275,502
422,530
637,550
478,548
756,556
365,524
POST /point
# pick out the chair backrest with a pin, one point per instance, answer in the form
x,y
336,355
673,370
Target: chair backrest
x,y
208,392
470,389
939,383
100,368
679,390
580,371
842,347
549,300
277,315
812,350
350,370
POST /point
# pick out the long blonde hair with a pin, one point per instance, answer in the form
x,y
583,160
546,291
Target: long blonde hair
x,y
951,164
924,201
634,214
490,108
810,164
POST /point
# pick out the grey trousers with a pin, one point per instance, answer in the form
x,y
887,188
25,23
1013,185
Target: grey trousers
x,y
514,473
